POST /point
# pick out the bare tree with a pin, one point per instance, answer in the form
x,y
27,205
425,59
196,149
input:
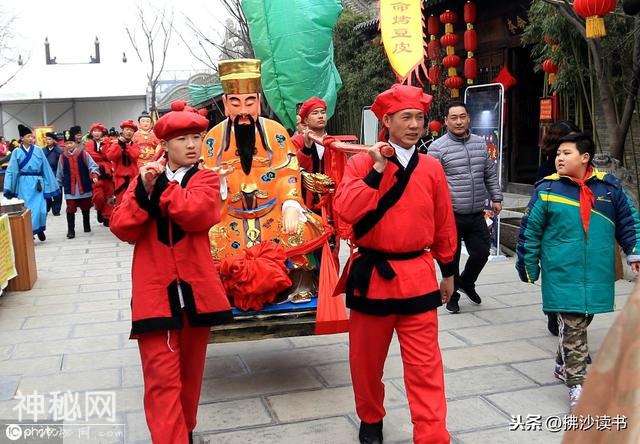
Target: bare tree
x,y
9,61
153,42
233,43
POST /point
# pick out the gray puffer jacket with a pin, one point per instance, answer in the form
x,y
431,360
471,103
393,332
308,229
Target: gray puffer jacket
x,y
470,172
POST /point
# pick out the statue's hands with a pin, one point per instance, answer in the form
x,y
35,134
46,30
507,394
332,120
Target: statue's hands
x,y
290,218
223,170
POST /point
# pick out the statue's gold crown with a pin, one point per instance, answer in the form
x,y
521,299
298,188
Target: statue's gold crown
x,y
240,76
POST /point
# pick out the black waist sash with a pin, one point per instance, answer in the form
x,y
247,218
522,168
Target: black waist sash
x,y
362,267
390,198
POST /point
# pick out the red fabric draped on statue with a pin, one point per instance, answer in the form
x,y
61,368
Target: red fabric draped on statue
x,y
256,277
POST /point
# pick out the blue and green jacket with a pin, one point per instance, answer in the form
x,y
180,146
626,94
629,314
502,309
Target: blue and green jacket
x,y
578,270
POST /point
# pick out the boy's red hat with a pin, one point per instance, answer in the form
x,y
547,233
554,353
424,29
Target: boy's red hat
x,y
310,105
129,124
182,120
400,97
100,127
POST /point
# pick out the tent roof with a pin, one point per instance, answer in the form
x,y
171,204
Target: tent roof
x,y
78,81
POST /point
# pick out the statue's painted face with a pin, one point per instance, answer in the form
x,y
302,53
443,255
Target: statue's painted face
x,y
242,105
145,123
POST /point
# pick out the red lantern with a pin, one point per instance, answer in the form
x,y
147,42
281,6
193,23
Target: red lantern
x,y
433,25
551,68
454,84
470,12
471,69
593,11
433,49
470,40
434,76
449,40
450,62
448,17
435,127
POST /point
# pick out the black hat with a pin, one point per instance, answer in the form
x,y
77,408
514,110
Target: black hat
x,y
113,132
70,135
74,130
59,136
24,130
144,114
52,135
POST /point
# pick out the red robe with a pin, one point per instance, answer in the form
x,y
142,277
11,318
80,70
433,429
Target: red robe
x,y
104,189
124,157
425,215
171,235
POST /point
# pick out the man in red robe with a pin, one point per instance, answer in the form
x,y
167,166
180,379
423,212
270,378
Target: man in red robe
x,y
124,156
177,294
391,281
103,190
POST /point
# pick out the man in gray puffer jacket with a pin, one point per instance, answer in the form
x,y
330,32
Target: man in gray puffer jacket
x,y
472,179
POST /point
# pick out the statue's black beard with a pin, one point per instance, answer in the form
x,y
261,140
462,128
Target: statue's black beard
x,y
245,142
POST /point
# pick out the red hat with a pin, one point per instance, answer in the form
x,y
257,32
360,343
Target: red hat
x,y
129,124
100,127
182,120
400,97
310,105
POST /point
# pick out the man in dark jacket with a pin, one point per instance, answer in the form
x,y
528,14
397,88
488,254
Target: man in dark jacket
x,y
472,179
52,152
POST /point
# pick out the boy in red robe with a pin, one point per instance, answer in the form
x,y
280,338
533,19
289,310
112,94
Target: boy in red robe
x,y
391,280
177,294
103,190
124,156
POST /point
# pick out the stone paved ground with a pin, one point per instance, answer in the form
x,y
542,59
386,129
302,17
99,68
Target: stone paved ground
x,y
71,333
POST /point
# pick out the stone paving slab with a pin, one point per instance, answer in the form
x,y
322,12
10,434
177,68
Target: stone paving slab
x,y
71,332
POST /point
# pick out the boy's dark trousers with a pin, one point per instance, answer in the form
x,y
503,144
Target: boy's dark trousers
x,y
54,204
472,228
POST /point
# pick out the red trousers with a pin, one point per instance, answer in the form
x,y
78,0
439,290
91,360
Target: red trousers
x,y
102,192
73,205
369,339
172,367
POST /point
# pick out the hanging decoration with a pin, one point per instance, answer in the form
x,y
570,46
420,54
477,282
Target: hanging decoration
x,y
435,127
451,61
551,68
401,26
594,11
433,51
470,43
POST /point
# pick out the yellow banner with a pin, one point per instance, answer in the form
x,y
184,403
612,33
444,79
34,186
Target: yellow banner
x,y
40,133
401,30
7,257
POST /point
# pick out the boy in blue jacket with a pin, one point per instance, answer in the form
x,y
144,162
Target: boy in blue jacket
x,y
569,232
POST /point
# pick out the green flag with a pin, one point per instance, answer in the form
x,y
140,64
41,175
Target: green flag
x,y
293,39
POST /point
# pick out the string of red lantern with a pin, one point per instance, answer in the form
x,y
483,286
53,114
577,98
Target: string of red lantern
x,y
470,43
451,61
435,127
433,51
551,68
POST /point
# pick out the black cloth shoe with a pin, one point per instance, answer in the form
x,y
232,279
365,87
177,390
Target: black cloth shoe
x,y
86,223
105,222
71,225
100,219
56,214
471,294
453,306
190,437
42,236
552,323
370,433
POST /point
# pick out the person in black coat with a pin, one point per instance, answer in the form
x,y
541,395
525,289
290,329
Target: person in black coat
x,y
52,152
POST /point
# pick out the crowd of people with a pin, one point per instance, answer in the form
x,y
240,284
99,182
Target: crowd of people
x,y
221,219
89,170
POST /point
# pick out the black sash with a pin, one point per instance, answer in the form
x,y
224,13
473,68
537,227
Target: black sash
x,y
362,268
390,198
